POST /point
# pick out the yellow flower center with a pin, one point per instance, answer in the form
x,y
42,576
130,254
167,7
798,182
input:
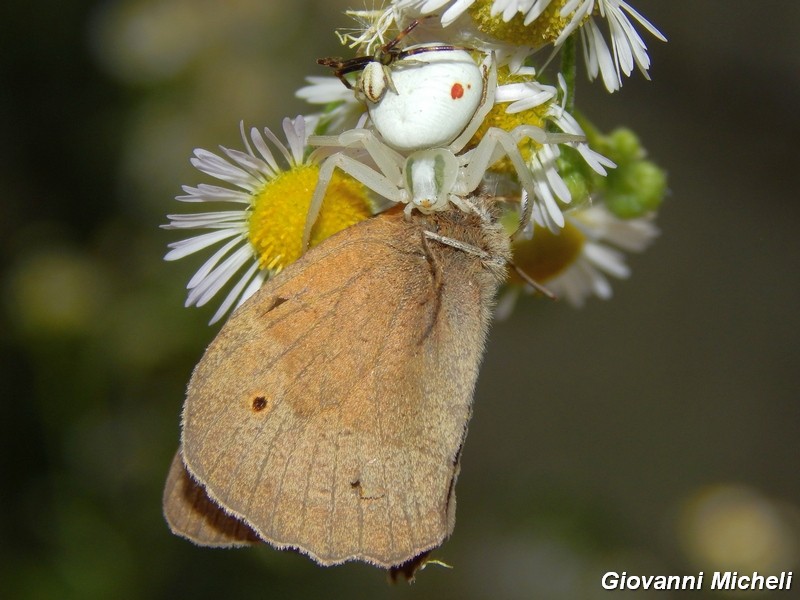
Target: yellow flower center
x,y
544,30
548,254
279,212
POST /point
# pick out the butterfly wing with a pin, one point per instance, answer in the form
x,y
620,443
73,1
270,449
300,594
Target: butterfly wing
x,y
329,412
192,514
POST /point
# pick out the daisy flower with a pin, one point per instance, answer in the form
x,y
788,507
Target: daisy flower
x,y
605,239
576,262
532,24
262,232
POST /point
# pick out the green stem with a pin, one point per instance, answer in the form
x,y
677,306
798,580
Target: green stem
x,y
568,69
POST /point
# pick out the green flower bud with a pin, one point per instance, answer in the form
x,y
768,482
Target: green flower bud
x,y
635,189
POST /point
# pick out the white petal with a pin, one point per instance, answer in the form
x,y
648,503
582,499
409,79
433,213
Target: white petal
x,y
222,218
296,136
254,286
324,90
535,11
199,242
218,167
213,193
233,295
456,10
217,278
643,21
255,167
209,265
606,259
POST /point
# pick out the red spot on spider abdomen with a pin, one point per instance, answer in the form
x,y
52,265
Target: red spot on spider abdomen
x,y
456,91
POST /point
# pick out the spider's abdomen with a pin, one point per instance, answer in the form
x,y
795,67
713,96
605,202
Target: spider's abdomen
x,y
437,94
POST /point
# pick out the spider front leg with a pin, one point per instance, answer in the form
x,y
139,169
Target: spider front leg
x,y
493,146
388,160
552,214
495,143
377,182
463,204
342,66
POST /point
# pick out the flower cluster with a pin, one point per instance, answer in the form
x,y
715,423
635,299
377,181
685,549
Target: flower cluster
x,y
443,100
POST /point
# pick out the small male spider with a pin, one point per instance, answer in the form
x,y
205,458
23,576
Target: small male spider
x,y
376,76
420,97
432,178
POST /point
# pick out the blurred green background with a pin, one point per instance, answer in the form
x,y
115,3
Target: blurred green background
x,y
655,434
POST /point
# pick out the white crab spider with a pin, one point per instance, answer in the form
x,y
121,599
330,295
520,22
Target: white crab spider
x,y
418,97
433,178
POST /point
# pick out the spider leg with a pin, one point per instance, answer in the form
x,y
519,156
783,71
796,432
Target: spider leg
x,y
341,75
375,181
458,244
539,135
387,74
389,46
495,143
551,213
342,67
443,48
461,204
388,160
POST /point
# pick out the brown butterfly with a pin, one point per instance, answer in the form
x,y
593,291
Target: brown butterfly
x,y
329,413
